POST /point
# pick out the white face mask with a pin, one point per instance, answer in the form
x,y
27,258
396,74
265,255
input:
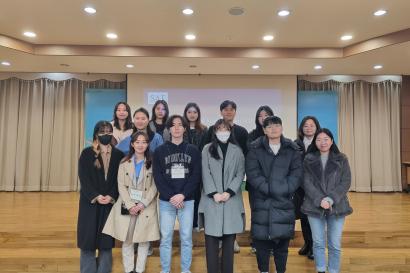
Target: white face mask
x,y
223,136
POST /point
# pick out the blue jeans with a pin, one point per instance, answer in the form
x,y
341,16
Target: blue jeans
x,y
167,215
331,226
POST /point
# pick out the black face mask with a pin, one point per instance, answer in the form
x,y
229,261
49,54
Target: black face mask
x,y
105,139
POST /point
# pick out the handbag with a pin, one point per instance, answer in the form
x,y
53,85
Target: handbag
x,y
124,210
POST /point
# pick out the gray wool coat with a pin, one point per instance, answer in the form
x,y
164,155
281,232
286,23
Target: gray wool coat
x,y
229,217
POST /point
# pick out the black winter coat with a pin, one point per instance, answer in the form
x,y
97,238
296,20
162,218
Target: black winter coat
x,y
274,180
300,192
335,183
92,217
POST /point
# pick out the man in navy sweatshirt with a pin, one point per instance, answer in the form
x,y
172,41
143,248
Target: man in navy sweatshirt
x,y
177,173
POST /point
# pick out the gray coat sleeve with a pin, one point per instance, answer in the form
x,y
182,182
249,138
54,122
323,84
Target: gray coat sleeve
x,y
207,179
311,188
340,191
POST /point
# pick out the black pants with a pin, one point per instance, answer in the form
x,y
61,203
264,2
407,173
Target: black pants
x,y
306,231
212,253
279,248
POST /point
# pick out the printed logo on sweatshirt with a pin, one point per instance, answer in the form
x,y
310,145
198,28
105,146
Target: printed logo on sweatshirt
x,y
178,158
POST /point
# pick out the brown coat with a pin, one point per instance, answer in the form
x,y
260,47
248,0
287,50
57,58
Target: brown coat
x,y
147,226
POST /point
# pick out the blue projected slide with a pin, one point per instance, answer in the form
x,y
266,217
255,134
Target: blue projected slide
x,y
99,105
321,104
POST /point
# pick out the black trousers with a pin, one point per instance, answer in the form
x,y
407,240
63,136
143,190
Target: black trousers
x,y
279,248
213,264
306,231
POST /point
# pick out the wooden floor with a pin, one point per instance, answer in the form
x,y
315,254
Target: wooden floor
x,y
38,234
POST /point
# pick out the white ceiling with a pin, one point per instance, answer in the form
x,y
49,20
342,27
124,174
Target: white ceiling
x,y
312,23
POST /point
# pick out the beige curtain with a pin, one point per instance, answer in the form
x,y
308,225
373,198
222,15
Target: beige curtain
x,y
369,131
41,132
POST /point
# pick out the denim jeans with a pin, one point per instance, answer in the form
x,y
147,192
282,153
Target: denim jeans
x,y
167,215
332,228
90,264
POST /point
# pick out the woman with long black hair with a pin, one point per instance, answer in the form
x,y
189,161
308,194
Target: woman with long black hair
x,y
307,129
97,170
122,122
160,114
221,210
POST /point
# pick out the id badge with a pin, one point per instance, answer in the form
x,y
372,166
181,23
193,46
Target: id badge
x,y
136,195
177,171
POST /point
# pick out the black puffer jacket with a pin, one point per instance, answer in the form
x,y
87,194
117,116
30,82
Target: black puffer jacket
x,y
334,182
274,180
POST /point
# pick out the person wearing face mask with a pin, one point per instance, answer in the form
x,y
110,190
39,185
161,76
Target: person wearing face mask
x,y
221,210
228,113
97,171
327,179
306,132
274,170
141,120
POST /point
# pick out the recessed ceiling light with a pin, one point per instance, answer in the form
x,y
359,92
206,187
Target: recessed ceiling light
x,y
346,37
190,37
236,11
318,67
380,12
5,63
29,34
283,13
112,36
130,66
378,66
90,10
268,38
188,11
256,66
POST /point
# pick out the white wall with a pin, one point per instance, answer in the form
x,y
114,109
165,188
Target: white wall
x,y
208,91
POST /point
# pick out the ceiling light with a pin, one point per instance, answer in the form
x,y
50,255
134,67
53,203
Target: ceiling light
x,y
5,63
29,34
236,11
187,11
255,66
268,38
318,67
90,10
130,66
283,13
190,37
112,36
380,12
346,37
378,66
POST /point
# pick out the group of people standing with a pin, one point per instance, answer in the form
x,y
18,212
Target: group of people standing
x,y
140,174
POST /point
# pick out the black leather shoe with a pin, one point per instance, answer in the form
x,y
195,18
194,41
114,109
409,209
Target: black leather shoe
x,y
310,255
304,250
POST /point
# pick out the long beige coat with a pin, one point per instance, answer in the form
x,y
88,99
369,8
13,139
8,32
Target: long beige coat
x,y
147,226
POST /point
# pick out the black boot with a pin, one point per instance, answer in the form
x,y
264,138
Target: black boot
x,y
304,250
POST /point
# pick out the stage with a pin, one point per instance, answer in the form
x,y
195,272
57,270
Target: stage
x,y
38,234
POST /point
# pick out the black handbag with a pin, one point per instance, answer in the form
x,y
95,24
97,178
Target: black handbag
x,y
124,210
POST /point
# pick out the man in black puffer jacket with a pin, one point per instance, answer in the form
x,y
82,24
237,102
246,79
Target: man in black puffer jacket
x,y
273,169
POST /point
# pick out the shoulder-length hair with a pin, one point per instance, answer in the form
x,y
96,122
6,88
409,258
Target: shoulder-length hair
x,y
165,104
145,112
313,148
128,121
301,135
147,155
213,148
198,125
